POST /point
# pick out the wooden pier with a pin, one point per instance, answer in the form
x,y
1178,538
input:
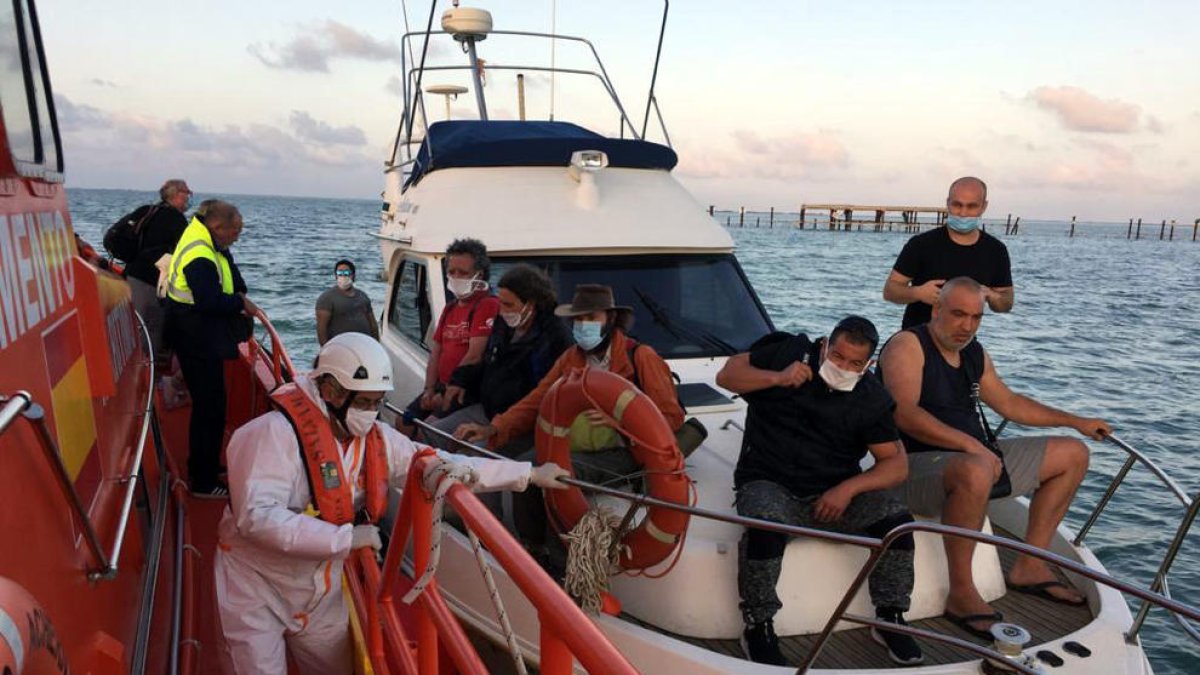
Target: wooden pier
x,y
908,219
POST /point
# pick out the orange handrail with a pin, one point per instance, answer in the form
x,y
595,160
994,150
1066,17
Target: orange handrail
x,y
567,633
282,368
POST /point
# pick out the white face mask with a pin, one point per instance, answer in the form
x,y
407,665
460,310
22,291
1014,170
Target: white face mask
x,y
359,422
838,379
514,319
461,288
344,283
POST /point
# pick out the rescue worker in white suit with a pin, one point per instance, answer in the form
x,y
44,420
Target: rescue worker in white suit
x,y
278,567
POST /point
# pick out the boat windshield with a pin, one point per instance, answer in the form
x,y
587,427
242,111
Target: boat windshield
x,y
685,306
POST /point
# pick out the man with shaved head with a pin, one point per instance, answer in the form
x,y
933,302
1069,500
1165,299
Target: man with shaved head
x,y
960,249
938,375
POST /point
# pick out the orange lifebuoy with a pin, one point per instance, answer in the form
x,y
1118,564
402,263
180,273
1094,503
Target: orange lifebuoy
x,y
651,442
28,641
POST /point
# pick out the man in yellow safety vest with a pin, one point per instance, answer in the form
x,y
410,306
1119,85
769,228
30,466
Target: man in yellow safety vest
x,y
207,316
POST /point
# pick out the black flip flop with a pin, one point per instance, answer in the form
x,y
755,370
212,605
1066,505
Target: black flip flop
x,y
964,622
1041,591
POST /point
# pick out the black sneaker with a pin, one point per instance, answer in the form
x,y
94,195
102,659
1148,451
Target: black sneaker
x,y
902,648
761,645
217,490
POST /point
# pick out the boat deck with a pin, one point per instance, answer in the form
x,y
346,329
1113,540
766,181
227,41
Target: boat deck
x,y
1044,619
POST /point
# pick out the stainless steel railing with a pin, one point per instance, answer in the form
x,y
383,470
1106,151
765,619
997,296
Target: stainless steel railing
x,y
876,547
110,569
22,404
1192,506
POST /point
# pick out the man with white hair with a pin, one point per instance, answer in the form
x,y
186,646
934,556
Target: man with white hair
x,y
308,484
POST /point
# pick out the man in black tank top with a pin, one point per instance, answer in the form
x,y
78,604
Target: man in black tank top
x,y
933,371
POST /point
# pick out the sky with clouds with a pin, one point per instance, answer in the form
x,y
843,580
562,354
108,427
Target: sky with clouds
x,y
1067,108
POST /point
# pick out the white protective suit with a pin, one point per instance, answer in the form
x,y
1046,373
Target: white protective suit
x,y
278,572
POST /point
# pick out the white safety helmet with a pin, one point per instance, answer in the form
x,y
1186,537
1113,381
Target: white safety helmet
x,y
357,361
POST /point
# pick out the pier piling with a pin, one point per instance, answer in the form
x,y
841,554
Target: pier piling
x,y
771,222
711,208
1162,229
802,209
1129,234
741,216
1195,227
1138,235
1008,224
1072,235
1172,235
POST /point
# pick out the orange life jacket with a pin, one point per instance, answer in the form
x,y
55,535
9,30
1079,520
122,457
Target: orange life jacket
x,y
332,494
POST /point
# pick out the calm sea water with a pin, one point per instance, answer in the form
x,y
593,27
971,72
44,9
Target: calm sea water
x,y
1102,326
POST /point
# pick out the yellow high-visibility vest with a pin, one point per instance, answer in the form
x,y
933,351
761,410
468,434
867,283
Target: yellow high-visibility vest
x,y
196,242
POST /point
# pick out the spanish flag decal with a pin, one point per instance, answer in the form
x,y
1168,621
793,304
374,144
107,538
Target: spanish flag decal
x,y
71,398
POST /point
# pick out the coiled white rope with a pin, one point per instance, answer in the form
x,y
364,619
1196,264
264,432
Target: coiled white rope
x,y
592,557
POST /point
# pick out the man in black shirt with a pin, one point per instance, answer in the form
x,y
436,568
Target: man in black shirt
x,y
960,249
938,374
806,435
159,227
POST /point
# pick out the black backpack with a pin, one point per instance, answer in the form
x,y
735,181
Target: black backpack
x,y
124,238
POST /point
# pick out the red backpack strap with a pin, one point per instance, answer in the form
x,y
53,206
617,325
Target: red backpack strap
x,y
332,494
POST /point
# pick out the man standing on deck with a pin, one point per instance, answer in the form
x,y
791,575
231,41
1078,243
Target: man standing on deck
x,y
960,249
207,315
158,228
805,437
308,484
938,373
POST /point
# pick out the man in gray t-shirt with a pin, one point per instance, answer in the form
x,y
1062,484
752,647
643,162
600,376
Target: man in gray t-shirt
x,y
344,308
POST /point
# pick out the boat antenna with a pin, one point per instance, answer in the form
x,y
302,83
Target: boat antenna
x,y
654,76
553,42
421,70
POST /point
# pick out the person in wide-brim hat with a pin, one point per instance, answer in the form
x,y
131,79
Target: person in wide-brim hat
x,y
590,298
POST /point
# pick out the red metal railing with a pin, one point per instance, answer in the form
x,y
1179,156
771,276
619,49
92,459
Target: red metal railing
x,y
408,639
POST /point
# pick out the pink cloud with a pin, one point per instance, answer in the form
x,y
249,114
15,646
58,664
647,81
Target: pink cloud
x,y
1080,110
805,155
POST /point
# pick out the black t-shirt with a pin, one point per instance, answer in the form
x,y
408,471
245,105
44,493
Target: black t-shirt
x,y
809,438
933,255
160,233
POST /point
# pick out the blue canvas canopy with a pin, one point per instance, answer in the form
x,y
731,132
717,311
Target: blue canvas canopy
x,y
474,143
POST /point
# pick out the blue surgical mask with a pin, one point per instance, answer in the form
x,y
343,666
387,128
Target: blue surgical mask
x,y
963,224
588,334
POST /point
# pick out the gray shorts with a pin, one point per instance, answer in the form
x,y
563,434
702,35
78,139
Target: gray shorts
x,y
925,491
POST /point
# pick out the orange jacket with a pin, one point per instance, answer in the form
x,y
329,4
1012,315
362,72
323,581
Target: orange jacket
x,y
653,375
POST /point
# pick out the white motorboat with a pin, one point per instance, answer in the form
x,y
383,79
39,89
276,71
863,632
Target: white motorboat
x,y
591,208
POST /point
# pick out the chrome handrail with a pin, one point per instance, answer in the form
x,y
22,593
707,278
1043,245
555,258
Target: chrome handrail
x,y
36,416
110,570
14,406
876,547
414,98
1192,504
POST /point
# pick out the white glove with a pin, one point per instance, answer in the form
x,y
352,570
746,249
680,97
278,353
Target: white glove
x,y
365,535
546,476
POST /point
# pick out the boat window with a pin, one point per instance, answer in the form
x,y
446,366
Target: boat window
x,y
410,312
24,87
17,112
684,306
48,147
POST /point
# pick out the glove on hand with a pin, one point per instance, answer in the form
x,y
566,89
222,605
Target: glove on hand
x,y
365,535
546,476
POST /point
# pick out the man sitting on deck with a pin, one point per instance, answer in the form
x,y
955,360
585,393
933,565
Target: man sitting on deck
x,y
938,373
805,437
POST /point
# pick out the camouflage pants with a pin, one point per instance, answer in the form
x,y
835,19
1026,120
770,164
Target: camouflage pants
x,y
760,555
